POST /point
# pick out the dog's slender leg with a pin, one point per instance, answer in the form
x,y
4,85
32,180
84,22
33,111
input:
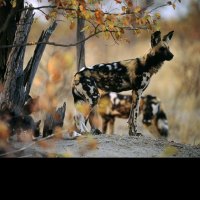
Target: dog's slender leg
x,y
130,119
104,124
93,119
112,121
134,113
80,122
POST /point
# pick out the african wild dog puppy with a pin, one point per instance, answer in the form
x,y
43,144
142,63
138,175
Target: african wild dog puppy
x,y
112,105
133,74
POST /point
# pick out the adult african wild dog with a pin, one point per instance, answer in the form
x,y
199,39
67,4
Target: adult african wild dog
x,y
112,105
132,74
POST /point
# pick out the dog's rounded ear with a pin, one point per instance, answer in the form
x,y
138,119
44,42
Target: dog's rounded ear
x,y
155,38
168,37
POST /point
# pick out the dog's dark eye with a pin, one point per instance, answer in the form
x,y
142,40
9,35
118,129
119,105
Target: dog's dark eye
x,y
162,48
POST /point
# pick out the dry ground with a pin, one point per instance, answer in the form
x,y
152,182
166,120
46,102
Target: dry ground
x,y
107,146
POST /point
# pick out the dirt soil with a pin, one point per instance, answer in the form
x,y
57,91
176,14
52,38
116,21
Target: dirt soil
x,y
106,146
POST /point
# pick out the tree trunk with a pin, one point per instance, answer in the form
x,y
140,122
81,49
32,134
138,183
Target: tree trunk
x,y
8,26
80,49
17,82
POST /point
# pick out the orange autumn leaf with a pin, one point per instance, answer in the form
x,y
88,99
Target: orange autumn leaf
x,y
99,16
72,25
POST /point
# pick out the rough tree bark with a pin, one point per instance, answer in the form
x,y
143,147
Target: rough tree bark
x,y
9,19
80,49
17,82
17,79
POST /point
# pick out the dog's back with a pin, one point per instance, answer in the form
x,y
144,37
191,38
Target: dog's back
x,y
112,105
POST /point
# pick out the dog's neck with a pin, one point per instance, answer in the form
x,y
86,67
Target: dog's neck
x,y
152,63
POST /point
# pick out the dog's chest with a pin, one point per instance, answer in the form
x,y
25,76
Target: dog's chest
x,y
142,81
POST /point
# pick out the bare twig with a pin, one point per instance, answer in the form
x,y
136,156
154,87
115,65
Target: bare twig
x,y
93,10
160,6
114,38
51,43
26,147
73,44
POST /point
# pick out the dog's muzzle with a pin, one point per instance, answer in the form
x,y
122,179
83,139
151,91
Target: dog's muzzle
x,y
169,56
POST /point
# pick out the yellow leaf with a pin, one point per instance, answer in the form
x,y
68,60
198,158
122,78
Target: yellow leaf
x,y
118,35
13,3
86,28
137,9
110,24
87,15
157,15
106,35
103,27
72,25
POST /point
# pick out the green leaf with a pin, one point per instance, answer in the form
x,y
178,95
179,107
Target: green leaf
x,y
86,28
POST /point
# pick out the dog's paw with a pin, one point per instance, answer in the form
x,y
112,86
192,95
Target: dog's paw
x,y
96,132
138,134
131,133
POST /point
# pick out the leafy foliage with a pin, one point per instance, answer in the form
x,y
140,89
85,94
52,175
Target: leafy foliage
x,y
129,16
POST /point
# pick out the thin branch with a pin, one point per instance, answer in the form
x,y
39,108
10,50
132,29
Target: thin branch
x,y
160,6
92,10
26,147
42,12
114,38
51,43
76,43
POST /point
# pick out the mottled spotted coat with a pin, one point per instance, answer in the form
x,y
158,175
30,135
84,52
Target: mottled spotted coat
x,y
112,105
132,74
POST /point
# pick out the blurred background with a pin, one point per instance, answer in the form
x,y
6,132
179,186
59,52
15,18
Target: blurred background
x,y
177,84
